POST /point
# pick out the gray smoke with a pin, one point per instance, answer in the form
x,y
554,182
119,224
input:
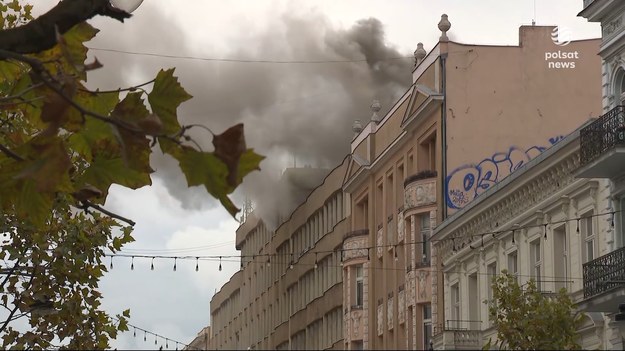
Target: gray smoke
x,y
292,112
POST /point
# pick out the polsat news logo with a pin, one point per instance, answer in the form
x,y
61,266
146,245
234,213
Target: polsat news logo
x,y
561,36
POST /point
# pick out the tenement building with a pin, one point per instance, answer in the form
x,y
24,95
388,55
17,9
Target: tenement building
x,y
474,115
539,223
603,156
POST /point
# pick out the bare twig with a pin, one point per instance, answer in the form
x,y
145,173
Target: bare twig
x,y
131,89
5,150
17,303
21,93
108,213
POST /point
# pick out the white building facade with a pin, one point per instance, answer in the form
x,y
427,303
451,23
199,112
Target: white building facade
x,y
602,155
542,223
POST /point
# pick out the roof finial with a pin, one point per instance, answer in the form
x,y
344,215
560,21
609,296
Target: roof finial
x,y
419,54
356,127
444,26
375,107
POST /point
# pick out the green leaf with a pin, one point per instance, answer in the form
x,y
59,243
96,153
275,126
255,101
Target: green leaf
x,y
165,98
103,172
250,161
48,164
203,168
135,147
33,204
99,103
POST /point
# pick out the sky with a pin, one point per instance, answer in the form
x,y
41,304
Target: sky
x,y
293,113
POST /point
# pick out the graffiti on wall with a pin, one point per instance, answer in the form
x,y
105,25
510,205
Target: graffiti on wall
x,y
467,182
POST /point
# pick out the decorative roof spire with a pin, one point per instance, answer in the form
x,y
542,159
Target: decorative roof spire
x,y
357,127
375,107
419,54
444,26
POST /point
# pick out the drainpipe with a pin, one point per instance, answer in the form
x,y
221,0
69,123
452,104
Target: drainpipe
x,y
444,134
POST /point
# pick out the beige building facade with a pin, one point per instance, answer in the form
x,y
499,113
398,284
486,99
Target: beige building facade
x,y
288,293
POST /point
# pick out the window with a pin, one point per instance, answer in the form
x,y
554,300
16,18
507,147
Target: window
x,y
536,262
425,236
560,254
586,227
427,326
359,286
455,305
358,345
513,265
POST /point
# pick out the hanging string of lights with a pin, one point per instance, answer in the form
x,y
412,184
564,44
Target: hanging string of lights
x,y
315,265
165,341
291,259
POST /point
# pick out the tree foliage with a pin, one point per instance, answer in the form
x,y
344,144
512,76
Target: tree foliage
x,y
527,319
62,146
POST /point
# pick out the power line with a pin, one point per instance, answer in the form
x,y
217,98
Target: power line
x,y
232,60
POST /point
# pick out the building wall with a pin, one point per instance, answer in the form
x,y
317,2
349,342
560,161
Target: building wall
x,y
386,220
544,191
507,104
288,293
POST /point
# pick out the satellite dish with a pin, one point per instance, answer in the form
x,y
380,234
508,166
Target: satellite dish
x,y
127,5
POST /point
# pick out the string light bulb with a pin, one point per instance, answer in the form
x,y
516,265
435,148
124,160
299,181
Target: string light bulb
x,y
545,226
315,260
578,226
612,220
166,343
268,260
220,263
111,262
175,261
145,336
197,264
152,264
395,253
134,333
132,263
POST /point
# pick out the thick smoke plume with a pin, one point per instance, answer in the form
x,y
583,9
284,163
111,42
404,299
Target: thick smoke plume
x,y
293,112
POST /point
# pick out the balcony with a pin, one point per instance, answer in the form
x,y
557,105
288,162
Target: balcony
x,y
459,335
355,245
604,282
602,146
420,190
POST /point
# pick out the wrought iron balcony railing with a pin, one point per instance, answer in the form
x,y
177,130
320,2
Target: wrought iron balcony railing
x,y
604,273
602,135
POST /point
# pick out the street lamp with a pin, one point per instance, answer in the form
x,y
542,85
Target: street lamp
x,y
126,5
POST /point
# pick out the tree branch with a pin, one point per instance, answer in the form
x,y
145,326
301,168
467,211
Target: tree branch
x,y
17,304
108,213
39,34
5,150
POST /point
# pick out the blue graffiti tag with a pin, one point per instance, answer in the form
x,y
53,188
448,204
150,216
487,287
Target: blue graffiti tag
x,y
467,182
